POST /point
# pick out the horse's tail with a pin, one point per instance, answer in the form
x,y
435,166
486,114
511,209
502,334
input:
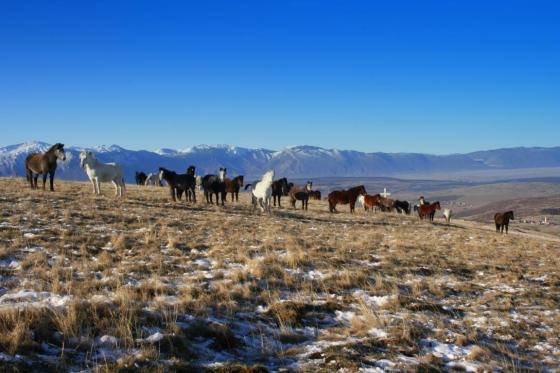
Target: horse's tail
x,y
247,186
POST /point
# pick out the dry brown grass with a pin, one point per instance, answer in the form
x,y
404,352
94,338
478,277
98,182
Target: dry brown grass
x,y
310,290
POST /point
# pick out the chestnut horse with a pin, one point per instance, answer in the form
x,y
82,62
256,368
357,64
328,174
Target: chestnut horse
x,y
43,163
502,220
370,202
345,196
428,210
233,186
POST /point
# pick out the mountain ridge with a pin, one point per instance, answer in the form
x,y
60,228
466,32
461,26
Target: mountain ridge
x,y
294,161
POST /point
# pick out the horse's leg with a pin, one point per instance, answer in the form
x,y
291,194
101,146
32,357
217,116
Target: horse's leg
x,y
51,179
172,192
507,227
97,185
116,187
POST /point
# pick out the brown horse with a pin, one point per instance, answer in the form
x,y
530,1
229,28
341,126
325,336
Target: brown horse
x,y
370,202
301,194
345,196
502,220
428,210
386,204
233,186
43,163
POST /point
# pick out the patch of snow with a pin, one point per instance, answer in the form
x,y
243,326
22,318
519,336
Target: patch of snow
x,y
29,298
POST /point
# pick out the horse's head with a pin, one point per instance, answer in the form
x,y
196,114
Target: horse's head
x,y
510,214
59,151
362,190
222,174
240,181
438,207
309,186
268,176
191,170
286,187
86,158
161,173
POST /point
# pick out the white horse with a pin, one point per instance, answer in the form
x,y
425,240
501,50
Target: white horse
x,y
152,179
198,182
447,214
262,192
98,171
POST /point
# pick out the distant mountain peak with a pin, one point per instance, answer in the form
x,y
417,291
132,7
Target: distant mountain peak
x,y
293,161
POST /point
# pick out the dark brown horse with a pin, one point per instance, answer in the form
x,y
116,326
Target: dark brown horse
x,y
502,220
315,194
386,204
345,196
301,194
233,186
428,211
43,163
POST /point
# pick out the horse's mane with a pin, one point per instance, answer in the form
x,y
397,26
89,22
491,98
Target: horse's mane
x,y
55,147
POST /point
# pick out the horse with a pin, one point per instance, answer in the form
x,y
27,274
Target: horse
x,y
368,201
190,196
386,204
140,178
233,186
422,201
345,196
280,188
315,194
402,207
502,220
428,210
447,215
153,179
301,194
215,184
262,192
178,183
43,163
98,171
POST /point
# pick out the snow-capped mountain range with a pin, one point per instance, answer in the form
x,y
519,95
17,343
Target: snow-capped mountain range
x,y
299,161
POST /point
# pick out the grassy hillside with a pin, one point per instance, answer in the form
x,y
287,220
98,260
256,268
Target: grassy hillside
x,y
144,283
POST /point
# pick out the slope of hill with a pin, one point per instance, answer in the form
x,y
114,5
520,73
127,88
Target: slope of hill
x,y
145,284
299,161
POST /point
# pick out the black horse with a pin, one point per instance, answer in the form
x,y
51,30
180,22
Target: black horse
x,y
402,206
191,197
280,188
141,178
215,184
178,183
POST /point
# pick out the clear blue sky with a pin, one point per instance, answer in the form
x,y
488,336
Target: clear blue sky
x,y
425,76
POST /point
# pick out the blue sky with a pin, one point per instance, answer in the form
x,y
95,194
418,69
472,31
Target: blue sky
x,y
398,76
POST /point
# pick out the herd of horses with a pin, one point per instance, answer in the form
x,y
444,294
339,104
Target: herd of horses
x,y
264,193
